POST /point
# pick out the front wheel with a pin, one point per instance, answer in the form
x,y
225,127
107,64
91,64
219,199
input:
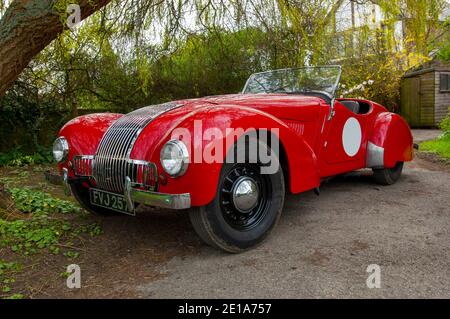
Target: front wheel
x,y
246,208
388,176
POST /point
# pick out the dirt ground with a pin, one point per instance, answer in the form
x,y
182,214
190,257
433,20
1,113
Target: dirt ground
x,y
320,249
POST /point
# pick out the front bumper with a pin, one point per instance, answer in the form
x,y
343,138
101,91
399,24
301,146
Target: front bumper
x,y
132,195
171,201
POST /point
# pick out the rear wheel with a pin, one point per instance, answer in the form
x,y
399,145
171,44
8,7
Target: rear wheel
x,y
388,176
247,206
81,194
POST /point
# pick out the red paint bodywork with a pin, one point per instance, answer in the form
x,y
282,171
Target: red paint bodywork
x,y
311,141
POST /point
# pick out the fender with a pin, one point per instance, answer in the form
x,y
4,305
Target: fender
x,y
84,133
201,179
390,142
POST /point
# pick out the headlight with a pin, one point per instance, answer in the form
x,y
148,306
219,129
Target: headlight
x,y
60,149
175,158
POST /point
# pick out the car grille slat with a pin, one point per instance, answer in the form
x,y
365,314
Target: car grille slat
x,y
142,173
112,159
83,165
116,164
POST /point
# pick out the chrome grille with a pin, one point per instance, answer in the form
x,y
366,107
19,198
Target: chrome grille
x,y
141,173
112,160
82,166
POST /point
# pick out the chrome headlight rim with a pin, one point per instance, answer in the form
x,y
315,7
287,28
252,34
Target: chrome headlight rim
x,y
62,142
184,158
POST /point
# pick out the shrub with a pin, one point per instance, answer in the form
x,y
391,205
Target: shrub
x,y
445,124
17,157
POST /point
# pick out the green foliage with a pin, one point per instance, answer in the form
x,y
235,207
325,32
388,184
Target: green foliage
x,y
8,267
445,124
440,146
49,226
208,65
444,53
72,254
443,44
16,296
28,121
18,158
7,271
28,201
43,229
382,71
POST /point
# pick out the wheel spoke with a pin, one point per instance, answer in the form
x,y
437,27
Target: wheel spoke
x,y
229,179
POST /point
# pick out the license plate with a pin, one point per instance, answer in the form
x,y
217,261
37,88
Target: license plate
x,y
109,200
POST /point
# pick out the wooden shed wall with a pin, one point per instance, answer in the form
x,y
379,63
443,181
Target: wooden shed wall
x,y
418,98
410,99
442,101
427,99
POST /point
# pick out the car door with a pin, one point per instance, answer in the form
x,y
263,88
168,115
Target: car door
x,y
344,141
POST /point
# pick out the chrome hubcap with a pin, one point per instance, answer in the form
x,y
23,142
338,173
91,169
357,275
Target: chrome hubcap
x,y
245,194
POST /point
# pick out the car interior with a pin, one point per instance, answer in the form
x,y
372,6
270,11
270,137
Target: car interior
x,y
356,107
323,96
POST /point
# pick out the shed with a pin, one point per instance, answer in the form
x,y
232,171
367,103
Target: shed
x,y
425,94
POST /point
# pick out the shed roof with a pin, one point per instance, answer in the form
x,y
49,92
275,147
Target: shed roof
x,y
435,65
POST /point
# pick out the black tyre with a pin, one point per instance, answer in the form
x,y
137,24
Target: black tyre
x,y
247,206
81,194
388,176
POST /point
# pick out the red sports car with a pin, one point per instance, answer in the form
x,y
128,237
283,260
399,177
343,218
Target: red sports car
x,y
230,159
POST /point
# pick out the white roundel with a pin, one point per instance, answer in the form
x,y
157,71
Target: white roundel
x,y
352,137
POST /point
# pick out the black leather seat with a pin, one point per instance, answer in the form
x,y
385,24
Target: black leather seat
x,y
351,105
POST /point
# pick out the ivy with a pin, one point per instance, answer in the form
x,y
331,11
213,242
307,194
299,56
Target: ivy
x,y
29,123
40,203
49,225
7,271
43,229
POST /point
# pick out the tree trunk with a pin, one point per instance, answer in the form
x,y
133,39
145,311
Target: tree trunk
x,y
26,28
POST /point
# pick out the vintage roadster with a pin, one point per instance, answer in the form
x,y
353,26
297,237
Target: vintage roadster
x,y
208,155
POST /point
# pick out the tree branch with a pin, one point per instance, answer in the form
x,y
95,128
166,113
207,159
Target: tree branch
x,y
26,28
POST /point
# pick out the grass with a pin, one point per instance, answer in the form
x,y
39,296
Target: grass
x,y
440,146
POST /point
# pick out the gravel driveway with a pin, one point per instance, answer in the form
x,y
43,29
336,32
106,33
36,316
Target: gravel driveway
x,y
323,245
